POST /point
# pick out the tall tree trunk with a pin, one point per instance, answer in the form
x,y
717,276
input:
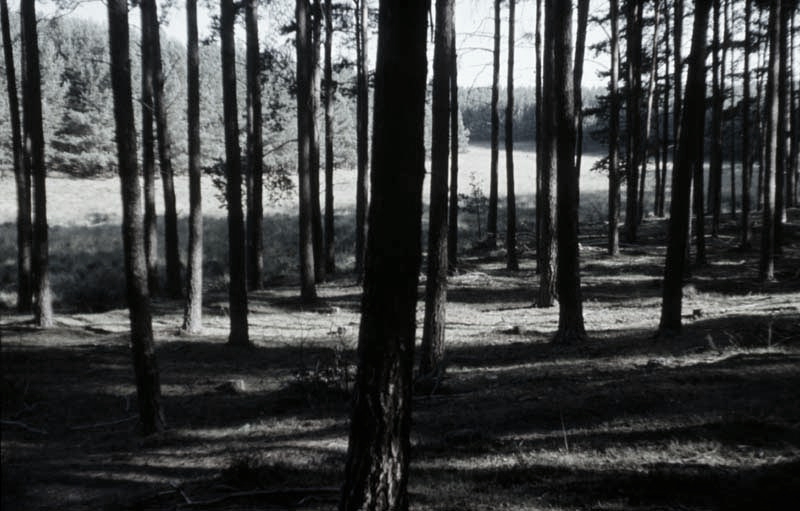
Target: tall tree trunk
x,y
677,89
546,156
237,261
665,118
539,136
747,161
772,109
432,349
763,56
634,115
783,127
148,150
193,314
330,237
308,288
580,47
511,201
613,135
376,473
728,47
22,177
173,261
715,170
689,153
452,237
255,153
362,135
491,223
148,387
651,90
316,209
34,141
795,133
570,301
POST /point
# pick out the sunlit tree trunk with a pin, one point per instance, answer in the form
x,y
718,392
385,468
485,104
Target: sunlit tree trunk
x,y
376,472
783,127
34,142
308,288
665,133
148,387
362,134
580,47
539,137
237,289
316,208
330,238
193,314
651,99
148,149
689,153
22,177
433,333
452,237
613,134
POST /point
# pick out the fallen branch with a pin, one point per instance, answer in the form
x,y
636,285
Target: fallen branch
x,y
285,492
23,426
102,424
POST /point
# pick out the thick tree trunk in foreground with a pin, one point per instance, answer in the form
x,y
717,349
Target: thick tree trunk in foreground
x,y
193,314
330,237
237,289
376,474
772,108
613,135
21,175
255,153
148,387
362,135
491,222
432,348
689,153
34,142
308,287
570,302
512,262
173,261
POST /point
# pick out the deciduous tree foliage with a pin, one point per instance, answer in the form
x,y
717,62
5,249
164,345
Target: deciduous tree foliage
x,y
376,473
148,387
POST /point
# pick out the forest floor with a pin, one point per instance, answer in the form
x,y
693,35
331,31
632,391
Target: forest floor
x,y
706,420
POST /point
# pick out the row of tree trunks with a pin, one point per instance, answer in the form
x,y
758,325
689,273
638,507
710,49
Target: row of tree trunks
x,y
22,176
33,148
148,387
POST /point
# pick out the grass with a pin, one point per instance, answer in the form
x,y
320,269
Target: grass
x,y
707,420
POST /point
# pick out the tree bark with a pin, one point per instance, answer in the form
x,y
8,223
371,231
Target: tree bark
x,y
376,473
665,133
570,302
316,209
173,261
689,153
613,135
255,153
237,290
783,127
193,313
308,288
715,170
747,161
148,149
34,141
452,237
491,222
330,237
547,150
772,109
148,387
362,135
651,89
732,153
634,116
431,365
22,177
512,262
580,47
539,136
677,89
